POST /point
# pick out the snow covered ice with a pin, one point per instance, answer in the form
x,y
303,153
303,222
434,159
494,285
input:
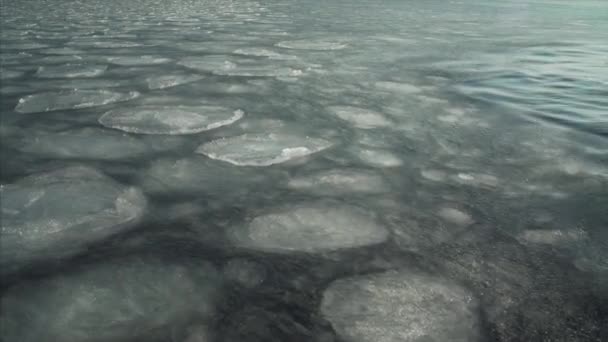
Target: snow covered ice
x,y
401,306
173,120
60,212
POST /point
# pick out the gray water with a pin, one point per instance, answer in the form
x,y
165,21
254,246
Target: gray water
x,y
348,171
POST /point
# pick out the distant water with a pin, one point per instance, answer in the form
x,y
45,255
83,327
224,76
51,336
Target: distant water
x,y
345,170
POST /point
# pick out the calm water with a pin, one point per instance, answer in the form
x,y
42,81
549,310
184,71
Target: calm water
x,y
348,171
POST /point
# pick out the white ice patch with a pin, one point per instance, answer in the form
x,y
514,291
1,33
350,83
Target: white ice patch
x,y
262,149
210,63
477,179
170,120
58,213
71,71
434,175
87,143
162,82
359,117
231,66
260,52
138,60
319,227
72,99
455,216
379,158
126,300
312,44
340,182
401,306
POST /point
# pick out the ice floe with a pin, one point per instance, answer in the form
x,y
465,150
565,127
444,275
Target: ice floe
x,y
401,88
138,60
58,213
312,44
379,158
455,216
174,120
162,82
401,306
70,99
317,227
340,181
119,300
71,70
359,117
262,149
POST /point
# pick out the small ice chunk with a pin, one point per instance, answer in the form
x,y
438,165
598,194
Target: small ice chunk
x,y
434,175
260,52
129,299
59,212
63,51
72,99
477,179
313,44
209,63
402,306
71,71
170,120
262,149
340,182
162,82
359,117
318,227
138,60
455,216
379,158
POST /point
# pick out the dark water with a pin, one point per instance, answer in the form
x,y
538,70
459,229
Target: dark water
x,y
349,171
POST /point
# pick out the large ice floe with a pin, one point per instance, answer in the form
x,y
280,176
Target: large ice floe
x,y
340,181
312,44
401,306
135,299
71,71
57,213
70,99
84,143
360,117
262,149
315,227
173,120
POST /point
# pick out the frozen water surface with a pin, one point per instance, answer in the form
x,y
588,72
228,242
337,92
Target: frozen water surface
x,y
339,171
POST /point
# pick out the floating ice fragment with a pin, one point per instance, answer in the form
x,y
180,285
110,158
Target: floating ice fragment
x,y
262,149
71,70
401,306
396,87
126,300
318,227
162,82
6,74
72,99
379,158
58,213
556,237
340,182
170,120
312,44
455,216
359,117
138,60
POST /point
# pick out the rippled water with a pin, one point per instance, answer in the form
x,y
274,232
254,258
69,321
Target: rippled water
x,y
347,170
